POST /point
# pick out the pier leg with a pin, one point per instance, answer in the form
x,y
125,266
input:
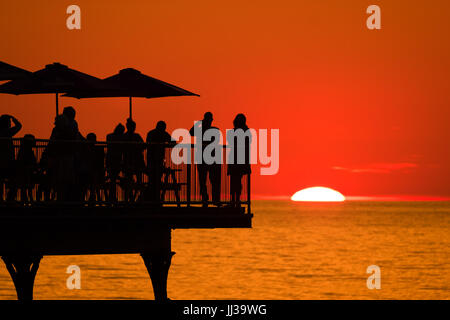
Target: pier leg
x,y
158,265
23,270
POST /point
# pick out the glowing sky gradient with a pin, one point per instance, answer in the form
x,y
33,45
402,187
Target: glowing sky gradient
x,y
363,112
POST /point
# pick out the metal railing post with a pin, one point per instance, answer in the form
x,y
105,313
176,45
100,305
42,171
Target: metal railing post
x,y
188,185
188,176
248,192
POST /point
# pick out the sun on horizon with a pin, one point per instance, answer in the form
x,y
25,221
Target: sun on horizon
x,y
318,194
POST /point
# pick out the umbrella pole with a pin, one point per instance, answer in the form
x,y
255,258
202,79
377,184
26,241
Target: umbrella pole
x,y
57,104
131,108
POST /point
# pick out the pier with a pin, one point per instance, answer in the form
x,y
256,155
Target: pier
x,y
36,223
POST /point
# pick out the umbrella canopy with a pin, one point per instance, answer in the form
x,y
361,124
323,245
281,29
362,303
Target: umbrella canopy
x,y
10,72
54,78
131,83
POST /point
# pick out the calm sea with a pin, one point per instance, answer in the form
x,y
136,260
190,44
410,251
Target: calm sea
x,y
294,251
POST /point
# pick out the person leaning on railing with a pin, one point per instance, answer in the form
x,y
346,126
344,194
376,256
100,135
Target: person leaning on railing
x,y
157,140
213,171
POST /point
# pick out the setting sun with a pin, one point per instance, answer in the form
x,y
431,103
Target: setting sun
x,y
320,194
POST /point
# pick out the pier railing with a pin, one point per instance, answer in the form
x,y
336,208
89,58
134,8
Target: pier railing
x,y
110,174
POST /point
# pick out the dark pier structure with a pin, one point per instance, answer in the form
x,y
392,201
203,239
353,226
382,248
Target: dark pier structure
x,y
35,223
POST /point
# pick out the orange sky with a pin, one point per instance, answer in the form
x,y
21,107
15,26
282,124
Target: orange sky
x,y
364,112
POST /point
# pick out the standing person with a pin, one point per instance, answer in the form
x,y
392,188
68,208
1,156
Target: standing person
x,y
239,164
72,125
77,149
204,170
114,159
57,160
7,152
95,157
26,168
158,139
66,155
133,159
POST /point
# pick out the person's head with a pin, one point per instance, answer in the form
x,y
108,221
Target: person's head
x,y
28,141
131,125
240,121
120,129
60,121
161,126
92,137
69,112
207,119
5,121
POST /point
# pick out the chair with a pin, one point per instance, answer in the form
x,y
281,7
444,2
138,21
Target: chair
x,y
174,186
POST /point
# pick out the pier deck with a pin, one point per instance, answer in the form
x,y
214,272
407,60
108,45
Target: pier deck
x,y
119,217
66,230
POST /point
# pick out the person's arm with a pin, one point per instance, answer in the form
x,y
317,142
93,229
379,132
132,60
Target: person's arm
x,y
17,126
197,124
141,141
169,140
78,135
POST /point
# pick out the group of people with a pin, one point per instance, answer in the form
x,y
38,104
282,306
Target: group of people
x,y
236,169
75,168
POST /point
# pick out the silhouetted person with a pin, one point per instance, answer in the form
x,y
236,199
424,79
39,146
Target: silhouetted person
x,y
69,112
46,178
66,127
158,139
26,167
65,154
213,170
57,158
114,158
7,152
95,156
240,154
133,158
77,191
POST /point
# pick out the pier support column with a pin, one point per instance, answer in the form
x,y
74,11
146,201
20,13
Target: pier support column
x,y
23,269
158,265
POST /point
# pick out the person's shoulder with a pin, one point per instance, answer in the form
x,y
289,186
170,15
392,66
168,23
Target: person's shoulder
x,y
124,137
136,137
